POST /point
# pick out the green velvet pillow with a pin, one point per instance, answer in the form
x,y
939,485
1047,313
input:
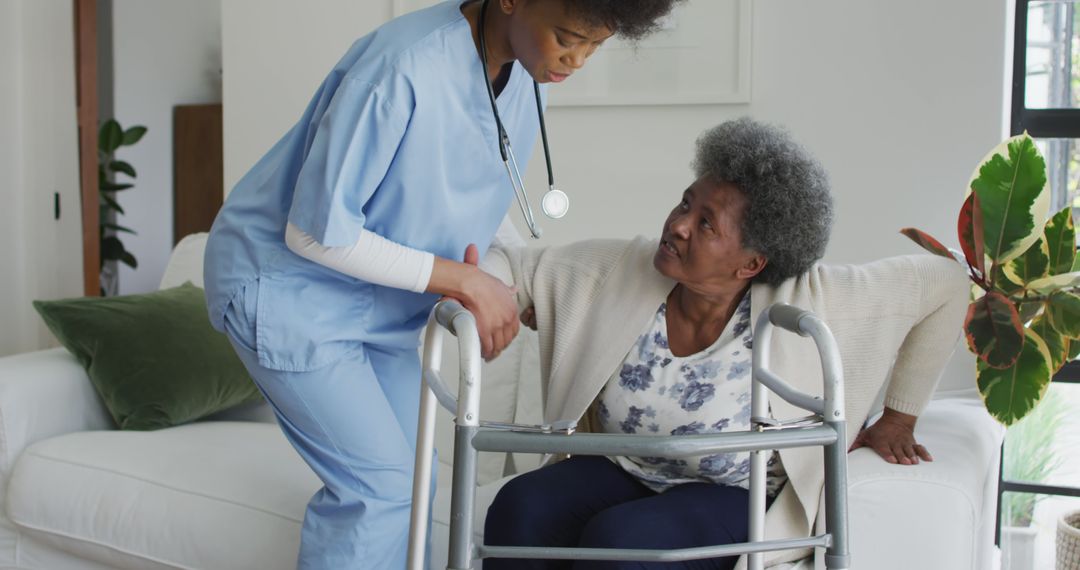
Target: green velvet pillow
x,y
153,358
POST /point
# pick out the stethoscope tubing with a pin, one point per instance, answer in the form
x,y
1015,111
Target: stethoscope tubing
x,y
555,202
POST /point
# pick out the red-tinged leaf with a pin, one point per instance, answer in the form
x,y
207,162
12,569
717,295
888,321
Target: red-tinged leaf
x,y
927,242
969,228
994,331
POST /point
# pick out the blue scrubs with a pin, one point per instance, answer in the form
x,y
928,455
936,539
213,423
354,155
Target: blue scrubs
x,y
399,140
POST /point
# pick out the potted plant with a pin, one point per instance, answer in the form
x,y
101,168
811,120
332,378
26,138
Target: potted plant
x,y
1068,542
110,138
1029,456
1024,321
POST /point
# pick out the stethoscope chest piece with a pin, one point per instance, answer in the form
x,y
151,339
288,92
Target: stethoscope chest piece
x,y
555,203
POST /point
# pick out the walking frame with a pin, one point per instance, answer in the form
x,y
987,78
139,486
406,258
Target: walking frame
x,y
824,427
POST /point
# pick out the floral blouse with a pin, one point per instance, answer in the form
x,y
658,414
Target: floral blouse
x,y
656,392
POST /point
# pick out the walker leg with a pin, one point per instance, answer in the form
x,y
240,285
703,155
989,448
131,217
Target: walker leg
x,y
837,556
463,500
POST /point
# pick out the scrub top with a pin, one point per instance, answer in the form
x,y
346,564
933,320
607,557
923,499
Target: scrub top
x,y
399,139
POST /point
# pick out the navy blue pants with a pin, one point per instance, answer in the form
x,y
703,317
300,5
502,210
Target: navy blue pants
x,y
591,502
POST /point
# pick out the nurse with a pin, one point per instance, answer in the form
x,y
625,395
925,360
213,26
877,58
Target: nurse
x,y
328,255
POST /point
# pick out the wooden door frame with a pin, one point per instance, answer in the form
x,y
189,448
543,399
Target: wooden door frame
x,y
86,67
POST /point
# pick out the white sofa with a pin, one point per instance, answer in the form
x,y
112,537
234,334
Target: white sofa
x,y
229,492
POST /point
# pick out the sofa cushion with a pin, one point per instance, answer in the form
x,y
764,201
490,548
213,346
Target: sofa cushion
x,y
185,262
153,358
204,495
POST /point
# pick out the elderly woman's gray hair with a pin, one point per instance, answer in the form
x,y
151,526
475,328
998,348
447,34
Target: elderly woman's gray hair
x,y
788,214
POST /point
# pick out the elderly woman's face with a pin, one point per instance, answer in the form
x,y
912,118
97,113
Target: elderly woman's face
x,y
701,244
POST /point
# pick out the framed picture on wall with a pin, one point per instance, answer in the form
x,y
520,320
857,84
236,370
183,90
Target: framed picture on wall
x,y
701,55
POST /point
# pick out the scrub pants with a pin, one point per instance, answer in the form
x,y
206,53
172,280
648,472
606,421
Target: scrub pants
x,y
354,422
591,502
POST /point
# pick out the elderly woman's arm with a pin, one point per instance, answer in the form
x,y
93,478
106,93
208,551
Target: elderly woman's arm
x,y
942,300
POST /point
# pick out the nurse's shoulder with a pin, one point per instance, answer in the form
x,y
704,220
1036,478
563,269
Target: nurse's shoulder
x,y
390,49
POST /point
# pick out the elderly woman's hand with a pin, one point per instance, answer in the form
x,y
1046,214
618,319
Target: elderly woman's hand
x,y
528,317
893,438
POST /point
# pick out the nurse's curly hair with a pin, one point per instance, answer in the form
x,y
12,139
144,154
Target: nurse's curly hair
x,y
789,210
630,19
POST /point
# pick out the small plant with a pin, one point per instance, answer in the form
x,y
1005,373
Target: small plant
x,y
111,137
1024,322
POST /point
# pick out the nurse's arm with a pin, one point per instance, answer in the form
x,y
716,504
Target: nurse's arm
x,y
378,260
490,300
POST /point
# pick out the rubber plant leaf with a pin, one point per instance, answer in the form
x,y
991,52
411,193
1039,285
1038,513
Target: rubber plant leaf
x,y
1052,283
927,242
1057,344
1003,282
994,331
1060,238
1010,183
969,228
1010,393
1063,310
1031,265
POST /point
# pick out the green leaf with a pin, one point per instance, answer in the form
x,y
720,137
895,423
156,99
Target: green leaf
x,y
1010,393
1074,349
1010,183
111,249
1076,260
1060,237
1047,285
927,242
119,228
994,331
132,135
121,166
113,187
1031,265
1063,310
111,203
1003,283
129,260
1030,310
1057,345
970,229
110,137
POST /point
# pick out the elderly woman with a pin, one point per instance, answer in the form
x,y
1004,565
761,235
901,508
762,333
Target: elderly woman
x,y
654,337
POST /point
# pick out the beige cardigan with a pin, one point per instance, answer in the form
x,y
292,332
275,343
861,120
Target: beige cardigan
x,y
594,298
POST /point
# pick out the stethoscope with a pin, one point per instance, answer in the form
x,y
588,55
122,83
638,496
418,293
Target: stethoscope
x,y
555,202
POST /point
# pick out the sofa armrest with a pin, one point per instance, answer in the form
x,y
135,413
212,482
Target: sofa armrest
x,y
44,394
937,514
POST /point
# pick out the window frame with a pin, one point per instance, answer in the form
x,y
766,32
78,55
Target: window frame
x,y
1039,123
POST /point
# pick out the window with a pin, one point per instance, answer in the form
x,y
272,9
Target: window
x,y
1039,463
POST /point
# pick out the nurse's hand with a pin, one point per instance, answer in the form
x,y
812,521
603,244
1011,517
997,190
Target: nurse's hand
x,y
490,301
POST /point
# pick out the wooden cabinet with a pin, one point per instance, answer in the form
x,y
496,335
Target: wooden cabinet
x,y
198,172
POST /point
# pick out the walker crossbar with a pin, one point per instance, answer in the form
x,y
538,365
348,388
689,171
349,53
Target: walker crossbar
x,y
826,428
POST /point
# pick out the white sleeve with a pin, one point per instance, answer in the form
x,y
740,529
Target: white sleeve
x,y
372,258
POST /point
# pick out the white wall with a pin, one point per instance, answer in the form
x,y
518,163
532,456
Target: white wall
x,y
899,100
41,257
165,54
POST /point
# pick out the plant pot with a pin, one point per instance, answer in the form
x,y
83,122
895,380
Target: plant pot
x,y
1068,542
1018,547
